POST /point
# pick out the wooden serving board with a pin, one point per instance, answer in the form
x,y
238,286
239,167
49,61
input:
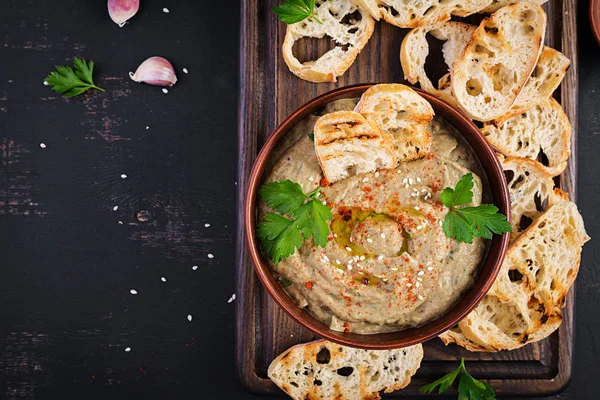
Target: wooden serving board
x,y
268,93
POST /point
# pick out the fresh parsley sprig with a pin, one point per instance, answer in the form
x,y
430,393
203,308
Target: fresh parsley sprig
x,y
299,217
469,388
465,223
292,11
73,81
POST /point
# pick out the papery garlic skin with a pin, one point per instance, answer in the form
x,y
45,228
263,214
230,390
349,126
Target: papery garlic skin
x,y
155,71
121,11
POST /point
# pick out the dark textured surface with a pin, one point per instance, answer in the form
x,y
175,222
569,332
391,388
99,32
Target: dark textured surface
x,y
67,265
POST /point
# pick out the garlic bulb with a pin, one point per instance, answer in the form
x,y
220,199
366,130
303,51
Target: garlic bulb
x,y
155,71
121,11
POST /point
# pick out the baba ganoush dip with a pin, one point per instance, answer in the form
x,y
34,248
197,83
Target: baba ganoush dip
x,y
387,265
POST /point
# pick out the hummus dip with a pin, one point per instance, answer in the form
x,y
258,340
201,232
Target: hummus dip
x,y
388,264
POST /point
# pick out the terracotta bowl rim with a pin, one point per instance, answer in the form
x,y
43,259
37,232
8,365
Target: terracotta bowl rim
x,y
594,12
490,265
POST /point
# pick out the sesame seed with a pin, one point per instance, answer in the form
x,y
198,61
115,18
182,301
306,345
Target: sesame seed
x,y
133,291
405,180
429,263
127,349
409,285
417,208
324,203
120,222
311,179
366,180
123,176
46,83
232,298
421,273
335,235
163,279
421,297
185,71
417,284
166,10
362,258
210,255
419,227
115,208
189,317
338,262
420,279
377,174
349,267
348,249
399,171
410,181
350,261
423,190
165,90
147,127
194,268
394,269
325,257
207,225
418,179
380,258
43,145
406,186
429,268
383,235
369,240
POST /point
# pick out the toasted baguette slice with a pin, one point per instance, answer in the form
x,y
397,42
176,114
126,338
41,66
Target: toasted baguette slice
x,y
524,304
544,130
343,21
401,113
498,60
415,49
547,75
325,370
495,5
347,144
415,13
531,190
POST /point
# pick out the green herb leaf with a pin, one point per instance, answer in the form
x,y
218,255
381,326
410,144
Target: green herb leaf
x,y
311,136
469,388
280,236
285,282
73,81
292,11
465,223
283,196
461,194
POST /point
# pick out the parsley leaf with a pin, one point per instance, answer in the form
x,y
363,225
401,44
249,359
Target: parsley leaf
x,y
465,223
280,236
469,388
73,81
292,11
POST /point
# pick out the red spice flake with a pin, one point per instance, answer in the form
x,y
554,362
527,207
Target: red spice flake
x,y
367,189
324,182
377,184
308,285
389,305
347,330
346,325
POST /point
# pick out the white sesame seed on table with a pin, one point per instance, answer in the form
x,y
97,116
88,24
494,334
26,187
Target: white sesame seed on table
x,y
189,317
133,291
210,255
165,90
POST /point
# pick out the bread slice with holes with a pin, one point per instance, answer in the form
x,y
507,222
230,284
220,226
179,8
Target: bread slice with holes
x,y
495,5
416,13
531,190
524,303
401,113
545,78
498,60
347,144
347,24
415,50
326,370
541,133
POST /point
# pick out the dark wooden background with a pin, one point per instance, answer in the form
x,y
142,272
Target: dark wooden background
x,y
67,264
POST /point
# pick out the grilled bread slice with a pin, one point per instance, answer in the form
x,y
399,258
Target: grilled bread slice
x,y
495,5
524,304
415,49
545,78
415,13
531,190
498,60
347,24
541,133
325,370
401,113
347,144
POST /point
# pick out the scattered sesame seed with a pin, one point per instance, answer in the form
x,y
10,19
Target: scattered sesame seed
x,y
127,349
350,261
383,235
115,208
362,258
189,317
165,90
399,171
232,298
166,10
409,285
311,179
423,190
324,203
417,208
194,268
429,268
441,222
348,249
410,181
394,269
120,222
133,291
147,127
418,179
46,83
369,240
338,262
377,174
417,284
335,235
380,258
421,273
207,225
123,176
163,279
406,186
43,145
421,297
420,279
405,180
210,255
419,227
185,71
349,267
366,180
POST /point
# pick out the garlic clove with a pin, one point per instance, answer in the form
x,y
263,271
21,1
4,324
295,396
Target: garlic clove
x,y
155,71
121,11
